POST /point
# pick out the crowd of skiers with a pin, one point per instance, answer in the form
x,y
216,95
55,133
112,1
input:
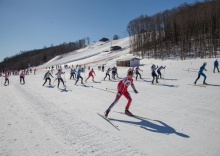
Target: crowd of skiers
x,y
21,73
123,84
75,73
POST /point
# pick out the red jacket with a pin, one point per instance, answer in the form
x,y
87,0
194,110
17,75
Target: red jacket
x,y
124,84
91,72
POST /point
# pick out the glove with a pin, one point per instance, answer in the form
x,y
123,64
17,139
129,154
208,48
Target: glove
x,y
136,91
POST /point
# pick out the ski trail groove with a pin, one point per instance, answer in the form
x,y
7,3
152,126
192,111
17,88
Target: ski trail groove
x,y
76,135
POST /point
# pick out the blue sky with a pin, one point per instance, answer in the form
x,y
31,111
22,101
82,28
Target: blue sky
x,y
33,24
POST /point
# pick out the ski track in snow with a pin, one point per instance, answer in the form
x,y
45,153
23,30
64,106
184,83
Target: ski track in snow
x,y
70,135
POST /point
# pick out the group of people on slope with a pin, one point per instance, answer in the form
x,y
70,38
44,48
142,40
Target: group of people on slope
x,y
123,84
21,75
154,69
73,74
114,73
202,69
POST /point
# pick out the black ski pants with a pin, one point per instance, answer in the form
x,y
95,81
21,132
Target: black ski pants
x,y
46,81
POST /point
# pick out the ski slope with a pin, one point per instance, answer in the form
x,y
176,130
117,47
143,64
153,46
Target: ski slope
x,y
94,54
181,119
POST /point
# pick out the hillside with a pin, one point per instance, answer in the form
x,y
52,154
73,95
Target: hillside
x,y
33,58
94,54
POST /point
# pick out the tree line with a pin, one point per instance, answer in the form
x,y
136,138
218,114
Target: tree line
x,y
190,30
26,59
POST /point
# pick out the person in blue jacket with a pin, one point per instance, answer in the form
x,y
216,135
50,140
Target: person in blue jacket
x,y
216,66
79,76
202,68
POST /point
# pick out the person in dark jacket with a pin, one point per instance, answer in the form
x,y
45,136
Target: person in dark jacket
x,y
47,77
216,66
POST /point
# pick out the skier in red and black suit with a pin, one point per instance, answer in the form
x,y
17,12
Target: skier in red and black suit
x,y
91,74
122,90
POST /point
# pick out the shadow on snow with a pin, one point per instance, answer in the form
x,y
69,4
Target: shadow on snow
x,y
158,127
213,85
65,90
50,86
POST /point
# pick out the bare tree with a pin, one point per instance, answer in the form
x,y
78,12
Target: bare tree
x,y
188,30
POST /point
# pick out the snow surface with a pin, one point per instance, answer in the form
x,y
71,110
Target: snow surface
x,y
45,121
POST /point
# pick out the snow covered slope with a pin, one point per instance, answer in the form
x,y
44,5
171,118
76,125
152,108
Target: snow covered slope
x,y
180,119
94,54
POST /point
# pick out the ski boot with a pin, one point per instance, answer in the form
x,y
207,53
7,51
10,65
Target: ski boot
x,y
106,113
127,112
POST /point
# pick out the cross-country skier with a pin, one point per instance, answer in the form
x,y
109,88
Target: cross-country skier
x,y
153,73
79,76
6,78
114,72
59,77
107,73
159,69
22,75
216,66
202,68
122,90
137,72
72,73
47,77
91,74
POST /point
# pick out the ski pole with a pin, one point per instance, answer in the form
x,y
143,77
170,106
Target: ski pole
x,y
115,89
103,89
54,80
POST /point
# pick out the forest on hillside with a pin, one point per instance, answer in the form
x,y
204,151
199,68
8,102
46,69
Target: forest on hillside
x,y
190,30
37,57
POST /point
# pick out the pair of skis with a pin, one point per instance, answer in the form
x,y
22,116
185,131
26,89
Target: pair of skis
x,y
134,116
107,119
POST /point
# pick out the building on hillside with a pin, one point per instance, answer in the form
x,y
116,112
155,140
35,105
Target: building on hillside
x,y
128,62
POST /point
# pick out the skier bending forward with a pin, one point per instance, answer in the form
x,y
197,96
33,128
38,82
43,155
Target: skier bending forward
x,y
122,90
